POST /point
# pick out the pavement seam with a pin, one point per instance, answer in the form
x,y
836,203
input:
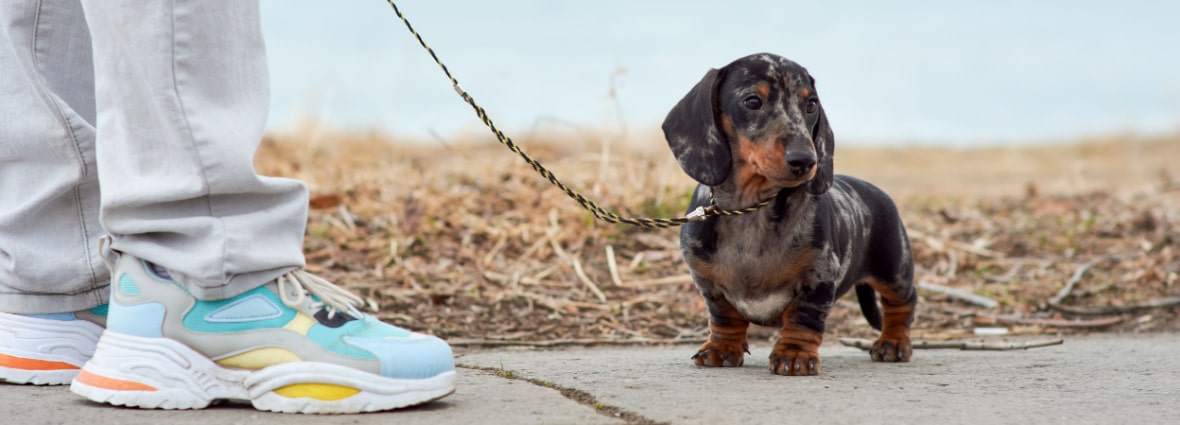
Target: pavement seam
x,y
578,396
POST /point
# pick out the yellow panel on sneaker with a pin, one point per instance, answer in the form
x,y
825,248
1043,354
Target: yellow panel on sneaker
x,y
325,392
259,358
301,323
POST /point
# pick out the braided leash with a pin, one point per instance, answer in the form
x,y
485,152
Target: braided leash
x,y
699,214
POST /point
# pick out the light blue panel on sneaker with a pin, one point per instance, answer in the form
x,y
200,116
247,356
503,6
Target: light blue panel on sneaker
x,y
53,316
127,285
252,308
333,338
377,329
146,320
366,327
408,358
197,319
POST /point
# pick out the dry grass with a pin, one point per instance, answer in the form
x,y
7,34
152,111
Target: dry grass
x,y
466,242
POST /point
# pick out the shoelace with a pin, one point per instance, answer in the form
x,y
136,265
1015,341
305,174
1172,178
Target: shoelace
x,y
335,297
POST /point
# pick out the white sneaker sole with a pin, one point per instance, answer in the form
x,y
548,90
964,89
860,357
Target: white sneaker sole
x,y
160,373
43,351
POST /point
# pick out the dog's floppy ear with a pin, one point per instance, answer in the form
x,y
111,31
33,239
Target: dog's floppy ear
x,y
691,131
825,147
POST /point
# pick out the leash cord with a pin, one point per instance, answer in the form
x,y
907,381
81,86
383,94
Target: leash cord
x,y
699,214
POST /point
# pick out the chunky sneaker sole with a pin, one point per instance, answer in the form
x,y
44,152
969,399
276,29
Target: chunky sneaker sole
x,y
160,373
44,349
295,345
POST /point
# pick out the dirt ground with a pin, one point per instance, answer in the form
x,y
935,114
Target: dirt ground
x,y
465,241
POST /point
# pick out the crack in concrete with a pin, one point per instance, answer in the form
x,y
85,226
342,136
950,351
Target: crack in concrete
x,y
579,396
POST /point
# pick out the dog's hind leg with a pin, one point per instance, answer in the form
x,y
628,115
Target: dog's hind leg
x,y
898,302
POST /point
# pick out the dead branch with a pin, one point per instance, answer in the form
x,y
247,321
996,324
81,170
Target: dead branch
x,y
952,264
501,242
1165,302
555,305
941,244
612,266
865,344
960,295
586,280
1006,277
506,279
577,265
667,280
1050,323
1073,281
571,342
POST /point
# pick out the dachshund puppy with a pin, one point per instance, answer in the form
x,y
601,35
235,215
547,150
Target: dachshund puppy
x,y
755,130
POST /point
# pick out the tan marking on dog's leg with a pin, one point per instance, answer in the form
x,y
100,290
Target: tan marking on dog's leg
x,y
897,315
727,343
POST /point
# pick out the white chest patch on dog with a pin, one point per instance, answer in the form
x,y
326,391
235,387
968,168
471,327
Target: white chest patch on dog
x,y
767,309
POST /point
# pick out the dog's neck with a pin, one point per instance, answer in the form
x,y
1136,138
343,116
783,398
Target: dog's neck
x,y
730,195
783,203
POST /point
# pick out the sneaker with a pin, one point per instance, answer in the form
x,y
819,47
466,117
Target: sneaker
x,y
297,345
47,349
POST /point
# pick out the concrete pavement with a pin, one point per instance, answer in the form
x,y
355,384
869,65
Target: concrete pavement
x,y
1105,379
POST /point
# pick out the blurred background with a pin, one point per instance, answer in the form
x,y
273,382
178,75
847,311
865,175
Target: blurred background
x,y
950,73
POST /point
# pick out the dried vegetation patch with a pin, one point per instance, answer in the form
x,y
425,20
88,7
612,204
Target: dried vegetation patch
x,y
467,242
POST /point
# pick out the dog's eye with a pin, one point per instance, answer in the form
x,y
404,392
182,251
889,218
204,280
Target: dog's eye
x,y
753,102
812,105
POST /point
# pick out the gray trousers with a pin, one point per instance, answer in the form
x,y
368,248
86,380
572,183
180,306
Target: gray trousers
x,y
160,106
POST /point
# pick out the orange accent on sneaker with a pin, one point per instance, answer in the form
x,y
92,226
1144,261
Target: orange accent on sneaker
x,y
100,381
32,364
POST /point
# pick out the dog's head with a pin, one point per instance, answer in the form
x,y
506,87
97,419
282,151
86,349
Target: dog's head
x,y
758,119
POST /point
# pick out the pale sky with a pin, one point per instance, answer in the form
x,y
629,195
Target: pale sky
x,y
948,72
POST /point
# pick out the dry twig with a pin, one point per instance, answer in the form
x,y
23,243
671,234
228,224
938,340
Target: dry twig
x,y
1049,323
572,342
1166,302
961,295
941,244
667,280
865,344
586,280
612,266
1073,281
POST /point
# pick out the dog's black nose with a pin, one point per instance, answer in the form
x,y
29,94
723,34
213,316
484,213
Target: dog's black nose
x,y
800,162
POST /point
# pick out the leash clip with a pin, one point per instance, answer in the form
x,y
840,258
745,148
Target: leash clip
x,y
699,214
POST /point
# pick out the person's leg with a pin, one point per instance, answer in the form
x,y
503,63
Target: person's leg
x,y
50,268
182,94
208,301
49,229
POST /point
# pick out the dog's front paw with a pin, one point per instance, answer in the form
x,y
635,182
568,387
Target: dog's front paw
x,y
793,359
722,354
891,348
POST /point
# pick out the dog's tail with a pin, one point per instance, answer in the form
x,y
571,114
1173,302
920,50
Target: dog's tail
x,y
867,298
